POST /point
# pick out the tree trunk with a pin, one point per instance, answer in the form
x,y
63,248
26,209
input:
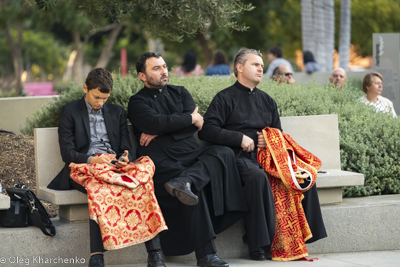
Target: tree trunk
x,y
15,49
319,34
106,53
307,25
204,47
329,33
344,38
78,63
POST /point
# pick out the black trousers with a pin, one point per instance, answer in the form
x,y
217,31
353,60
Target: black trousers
x,y
312,210
199,177
96,241
260,221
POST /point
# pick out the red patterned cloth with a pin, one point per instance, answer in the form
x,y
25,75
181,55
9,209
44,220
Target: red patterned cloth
x,y
121,201
291,170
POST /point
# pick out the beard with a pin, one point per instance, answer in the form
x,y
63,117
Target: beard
x,y
155,83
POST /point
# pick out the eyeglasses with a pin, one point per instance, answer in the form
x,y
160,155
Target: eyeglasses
x,y
288,74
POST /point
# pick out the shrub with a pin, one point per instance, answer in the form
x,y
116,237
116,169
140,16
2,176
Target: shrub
x,y
369,141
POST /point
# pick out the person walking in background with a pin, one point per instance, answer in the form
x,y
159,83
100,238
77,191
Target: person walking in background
x,y
372,87
219,65
310,65
275,58
189,66
338,77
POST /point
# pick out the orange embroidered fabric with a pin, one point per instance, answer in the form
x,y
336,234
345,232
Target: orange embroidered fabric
x,y
281,159
121,201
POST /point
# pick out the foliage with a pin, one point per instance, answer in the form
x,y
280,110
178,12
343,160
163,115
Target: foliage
x,y
162,18
38,48
368,17
369,141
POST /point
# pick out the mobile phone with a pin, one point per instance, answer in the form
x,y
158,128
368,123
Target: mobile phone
x,y
119,159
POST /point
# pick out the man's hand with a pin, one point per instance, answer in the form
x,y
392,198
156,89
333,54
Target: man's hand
x,y
120,164
247,144
145,139
197,119
100,160
261,141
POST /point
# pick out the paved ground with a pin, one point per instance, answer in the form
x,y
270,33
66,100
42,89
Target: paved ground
x,y
355,259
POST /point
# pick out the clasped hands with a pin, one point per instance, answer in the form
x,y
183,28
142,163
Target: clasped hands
x,y
248,143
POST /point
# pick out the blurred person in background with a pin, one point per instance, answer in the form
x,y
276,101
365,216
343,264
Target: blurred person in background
x,y
310,65
219,65
189,66
282,74
275,58
338,77
372,87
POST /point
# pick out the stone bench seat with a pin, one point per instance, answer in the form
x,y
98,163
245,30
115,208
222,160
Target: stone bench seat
x,y
319,134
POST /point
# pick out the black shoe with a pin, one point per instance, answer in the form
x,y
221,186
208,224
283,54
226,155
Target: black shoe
x,y
258,255
211,260
96,260
181,190
155,259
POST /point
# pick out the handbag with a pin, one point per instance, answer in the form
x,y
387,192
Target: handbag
x,y
26,209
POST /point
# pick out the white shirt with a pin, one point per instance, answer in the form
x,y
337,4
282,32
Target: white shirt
x,y
383,104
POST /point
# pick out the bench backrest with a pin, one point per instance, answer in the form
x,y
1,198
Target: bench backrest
x,y
319,134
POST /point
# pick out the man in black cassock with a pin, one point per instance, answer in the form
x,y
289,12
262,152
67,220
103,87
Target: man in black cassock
x,y
235,118
199,189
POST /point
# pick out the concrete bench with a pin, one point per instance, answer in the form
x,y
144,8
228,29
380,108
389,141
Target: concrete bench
x,y
318,134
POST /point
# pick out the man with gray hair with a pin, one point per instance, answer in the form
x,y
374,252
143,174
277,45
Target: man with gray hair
x,y
235,118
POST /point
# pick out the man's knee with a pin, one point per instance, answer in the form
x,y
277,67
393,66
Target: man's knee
x,y
224,150
255,176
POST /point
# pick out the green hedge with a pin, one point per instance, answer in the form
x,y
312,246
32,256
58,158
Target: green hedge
x,y
369,141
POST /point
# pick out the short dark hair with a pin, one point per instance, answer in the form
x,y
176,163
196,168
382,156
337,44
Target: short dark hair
x,y
275,50
99,78
141,62
308,57
241,57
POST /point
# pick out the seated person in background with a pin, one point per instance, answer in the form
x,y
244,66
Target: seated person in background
x,y
282,74
189,66
89,127
338,77
372,87
219,65
275,58
198,189
310,65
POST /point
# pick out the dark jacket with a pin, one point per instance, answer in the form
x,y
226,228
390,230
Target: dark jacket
x,y
74,137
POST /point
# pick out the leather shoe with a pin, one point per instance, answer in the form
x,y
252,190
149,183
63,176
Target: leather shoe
x,y
181,190
258,255
211,260
96,260
155,259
